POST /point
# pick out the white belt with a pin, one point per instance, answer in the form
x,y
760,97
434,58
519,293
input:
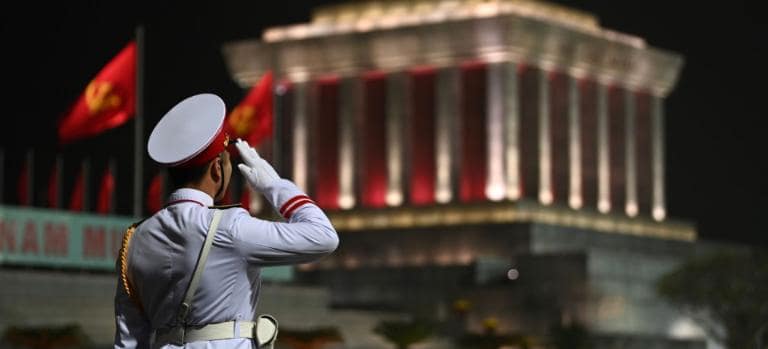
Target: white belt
x,y
264,331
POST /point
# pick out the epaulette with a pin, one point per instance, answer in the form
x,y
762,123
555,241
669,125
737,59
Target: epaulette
x,y
122,265
137,224
224,207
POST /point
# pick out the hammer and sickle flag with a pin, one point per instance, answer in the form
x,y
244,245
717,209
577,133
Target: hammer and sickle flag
x,y
251,120
107,102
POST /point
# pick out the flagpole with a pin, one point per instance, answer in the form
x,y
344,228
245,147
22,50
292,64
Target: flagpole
x,y
30,189
2,176
87,177
112,168
138,126
59,168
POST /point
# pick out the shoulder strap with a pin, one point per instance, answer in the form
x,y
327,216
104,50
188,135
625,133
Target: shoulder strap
x,y
185,305
224,207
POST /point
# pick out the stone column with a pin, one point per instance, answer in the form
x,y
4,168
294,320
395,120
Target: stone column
x,y
574,145
657,142
511,130
545,156
603,167
348,109
495,181
300,136
396,104
447,100
630,154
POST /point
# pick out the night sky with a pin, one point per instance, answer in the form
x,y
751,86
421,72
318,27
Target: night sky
x,y
715,115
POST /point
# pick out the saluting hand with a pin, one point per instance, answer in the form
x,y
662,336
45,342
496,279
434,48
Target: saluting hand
x,y
256,170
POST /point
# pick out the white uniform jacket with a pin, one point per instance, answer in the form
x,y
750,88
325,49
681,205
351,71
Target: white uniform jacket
x,y
164,248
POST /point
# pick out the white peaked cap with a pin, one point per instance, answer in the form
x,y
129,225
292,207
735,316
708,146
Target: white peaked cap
x,y
190,133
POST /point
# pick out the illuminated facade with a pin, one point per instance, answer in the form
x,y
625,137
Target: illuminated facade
x,y
390,104
452,140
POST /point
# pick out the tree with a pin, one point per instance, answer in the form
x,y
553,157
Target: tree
x,y
725,292
309,339
572,336
53,337
404,333
489,338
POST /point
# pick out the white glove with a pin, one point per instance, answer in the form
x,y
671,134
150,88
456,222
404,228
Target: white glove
x,y
256,170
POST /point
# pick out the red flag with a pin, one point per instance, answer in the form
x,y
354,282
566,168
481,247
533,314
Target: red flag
x,y
53,186
155,194
251,120
250,201
245,199
107,187
107,102
23,186
76,199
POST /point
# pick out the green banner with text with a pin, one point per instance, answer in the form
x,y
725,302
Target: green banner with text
x,y
51,238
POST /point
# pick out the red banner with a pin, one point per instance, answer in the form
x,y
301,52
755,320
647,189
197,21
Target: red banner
x,y
474,148
53,186
374,144
76,199
326,149
245,198
422,147
107,102
155,194
251,120
106,189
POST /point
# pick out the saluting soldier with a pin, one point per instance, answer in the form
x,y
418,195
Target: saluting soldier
x,y
189,275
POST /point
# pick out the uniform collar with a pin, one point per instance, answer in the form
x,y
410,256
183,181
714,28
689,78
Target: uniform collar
x,y
189,194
